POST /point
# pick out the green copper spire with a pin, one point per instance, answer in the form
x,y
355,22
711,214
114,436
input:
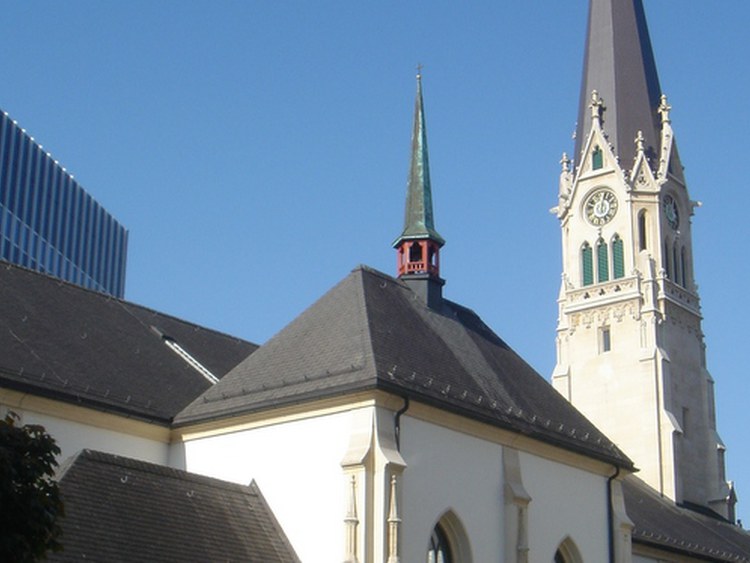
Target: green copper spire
x,y
418,221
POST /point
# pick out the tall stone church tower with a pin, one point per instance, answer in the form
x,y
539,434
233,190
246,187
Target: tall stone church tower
x,y
630,349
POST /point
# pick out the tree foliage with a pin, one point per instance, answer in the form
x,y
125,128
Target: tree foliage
x,y
30,503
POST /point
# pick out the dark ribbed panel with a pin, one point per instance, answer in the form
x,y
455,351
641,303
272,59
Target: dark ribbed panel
x,y
48,223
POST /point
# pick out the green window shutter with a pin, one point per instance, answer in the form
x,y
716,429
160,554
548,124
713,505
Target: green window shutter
x,y
618,260
602,261
597,158
587,259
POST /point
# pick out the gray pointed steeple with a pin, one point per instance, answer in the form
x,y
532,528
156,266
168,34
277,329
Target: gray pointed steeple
x,y
619,64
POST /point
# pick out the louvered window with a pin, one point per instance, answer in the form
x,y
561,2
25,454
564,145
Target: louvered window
x,y
597,158
618,260
602,261
587,264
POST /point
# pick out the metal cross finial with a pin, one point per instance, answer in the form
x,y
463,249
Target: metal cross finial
x,y
663,109
597,106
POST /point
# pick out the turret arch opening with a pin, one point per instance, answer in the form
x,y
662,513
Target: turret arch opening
x,y
642,230
567,552
667,259
448,541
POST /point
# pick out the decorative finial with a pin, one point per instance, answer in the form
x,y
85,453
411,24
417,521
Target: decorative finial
x,y
393,524
639,140
663,109
597,106
565,161
419,71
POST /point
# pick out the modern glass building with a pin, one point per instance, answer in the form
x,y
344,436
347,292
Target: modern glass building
x,y
49,223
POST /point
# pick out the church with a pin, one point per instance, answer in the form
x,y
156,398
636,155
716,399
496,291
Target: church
x,y
387,423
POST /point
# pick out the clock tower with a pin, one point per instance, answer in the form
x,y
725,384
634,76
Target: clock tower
x,y
630,348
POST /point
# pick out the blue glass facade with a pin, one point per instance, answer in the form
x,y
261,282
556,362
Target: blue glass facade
x,y
49,223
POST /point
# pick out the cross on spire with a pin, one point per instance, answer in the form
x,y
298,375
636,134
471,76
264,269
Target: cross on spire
x,y
597,106
663,109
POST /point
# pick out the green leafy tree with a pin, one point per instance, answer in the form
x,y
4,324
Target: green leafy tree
x,y
30,503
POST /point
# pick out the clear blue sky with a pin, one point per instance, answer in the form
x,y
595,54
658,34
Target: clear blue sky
x,y
258,151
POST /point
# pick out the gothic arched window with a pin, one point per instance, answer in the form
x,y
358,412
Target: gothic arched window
x,y
667,260
676,263
642,236
587,264
684,264
439,550
602,261
618,260
567,552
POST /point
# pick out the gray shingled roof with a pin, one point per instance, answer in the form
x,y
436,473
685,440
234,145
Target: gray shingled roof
x,y
659,523
65,342
619,63
120,510
371,331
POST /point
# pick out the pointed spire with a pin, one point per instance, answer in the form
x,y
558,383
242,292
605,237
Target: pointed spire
x,y
418,220
619,64
418,247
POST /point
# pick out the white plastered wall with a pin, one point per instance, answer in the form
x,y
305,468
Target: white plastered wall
x,y
297,465
86,429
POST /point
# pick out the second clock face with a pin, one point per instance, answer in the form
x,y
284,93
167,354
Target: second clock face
x,y
601,206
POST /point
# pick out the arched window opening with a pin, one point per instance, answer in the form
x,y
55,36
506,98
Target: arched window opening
x,y
602,261
567,552
440,549
587,264
415,252
597,158
448,541
676,264
642,224
618,258
667,260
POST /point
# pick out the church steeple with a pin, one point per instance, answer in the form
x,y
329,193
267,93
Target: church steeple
x,y
418,247
630,348
619,64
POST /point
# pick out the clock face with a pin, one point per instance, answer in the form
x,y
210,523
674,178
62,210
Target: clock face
x,y
600,207
670,211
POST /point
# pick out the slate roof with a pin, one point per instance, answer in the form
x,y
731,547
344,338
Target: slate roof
x,y
68,343
660,523
619,63
120,510
372,332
